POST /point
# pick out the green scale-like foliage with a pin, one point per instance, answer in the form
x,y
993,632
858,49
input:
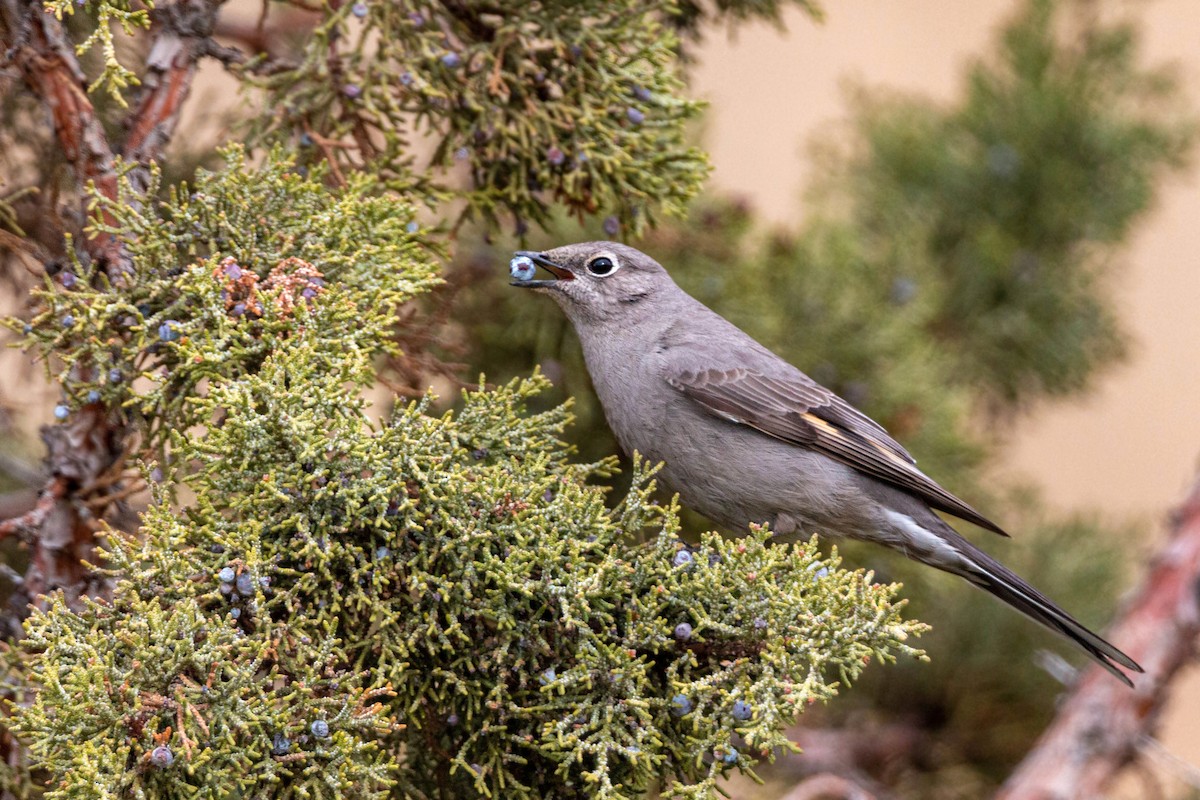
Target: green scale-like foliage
x,y
573,103
199,304
115,78
432,606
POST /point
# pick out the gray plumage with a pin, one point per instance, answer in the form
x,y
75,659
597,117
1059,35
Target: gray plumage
x,y
746,437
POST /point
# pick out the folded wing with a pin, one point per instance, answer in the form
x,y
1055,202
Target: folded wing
x,y
798,410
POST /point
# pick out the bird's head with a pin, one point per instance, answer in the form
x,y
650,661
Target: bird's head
x,y
594,281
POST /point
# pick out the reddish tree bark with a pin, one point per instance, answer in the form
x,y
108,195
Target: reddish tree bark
x,y
1100,725
86,453
42,51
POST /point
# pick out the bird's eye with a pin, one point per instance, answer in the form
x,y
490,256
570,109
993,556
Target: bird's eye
x,y
602,266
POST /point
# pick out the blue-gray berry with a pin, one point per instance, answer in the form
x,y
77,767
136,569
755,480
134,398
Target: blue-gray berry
x,y
167,331
903,291
93,396
245,584
452,720
452,60
68,321
522,268
352,91
306,140
115,375
683,631
68,279
635,115
731,756
236,613
359,10
549,676
642,93
227,575
681,705
742,711
61,412
280,745
682,559
381,553
319,728
612,225
162,757
555,156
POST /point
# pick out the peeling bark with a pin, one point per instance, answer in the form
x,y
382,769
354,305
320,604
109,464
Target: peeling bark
x,y
86,454
1101,725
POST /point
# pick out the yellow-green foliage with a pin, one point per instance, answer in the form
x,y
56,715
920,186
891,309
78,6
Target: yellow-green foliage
x,y
115,78
200,304
436,606
569,102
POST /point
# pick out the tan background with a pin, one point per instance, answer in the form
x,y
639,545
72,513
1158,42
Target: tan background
x,y
1131,447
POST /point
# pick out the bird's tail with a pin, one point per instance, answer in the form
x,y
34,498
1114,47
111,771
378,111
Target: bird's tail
x,y
989,574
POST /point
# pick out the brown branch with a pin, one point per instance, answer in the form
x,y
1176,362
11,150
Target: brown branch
x,y
1101,725
84,450
46,58
29,522
182,35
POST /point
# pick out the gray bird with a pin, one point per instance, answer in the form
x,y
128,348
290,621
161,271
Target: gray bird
x,y
746,437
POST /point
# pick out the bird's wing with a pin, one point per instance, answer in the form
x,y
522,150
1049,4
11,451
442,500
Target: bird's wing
x,y
796,409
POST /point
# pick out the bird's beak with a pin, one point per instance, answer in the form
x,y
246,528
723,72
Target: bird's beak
x,y
560,273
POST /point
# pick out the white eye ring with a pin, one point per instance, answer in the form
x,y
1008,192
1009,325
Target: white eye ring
x,y
602,266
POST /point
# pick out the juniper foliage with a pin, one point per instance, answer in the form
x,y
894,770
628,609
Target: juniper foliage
x,y
445,605
438,605
220,271
579,106
114,78
431,606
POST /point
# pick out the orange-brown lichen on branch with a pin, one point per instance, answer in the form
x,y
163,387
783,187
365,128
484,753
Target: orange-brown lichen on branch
x,y
294,280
